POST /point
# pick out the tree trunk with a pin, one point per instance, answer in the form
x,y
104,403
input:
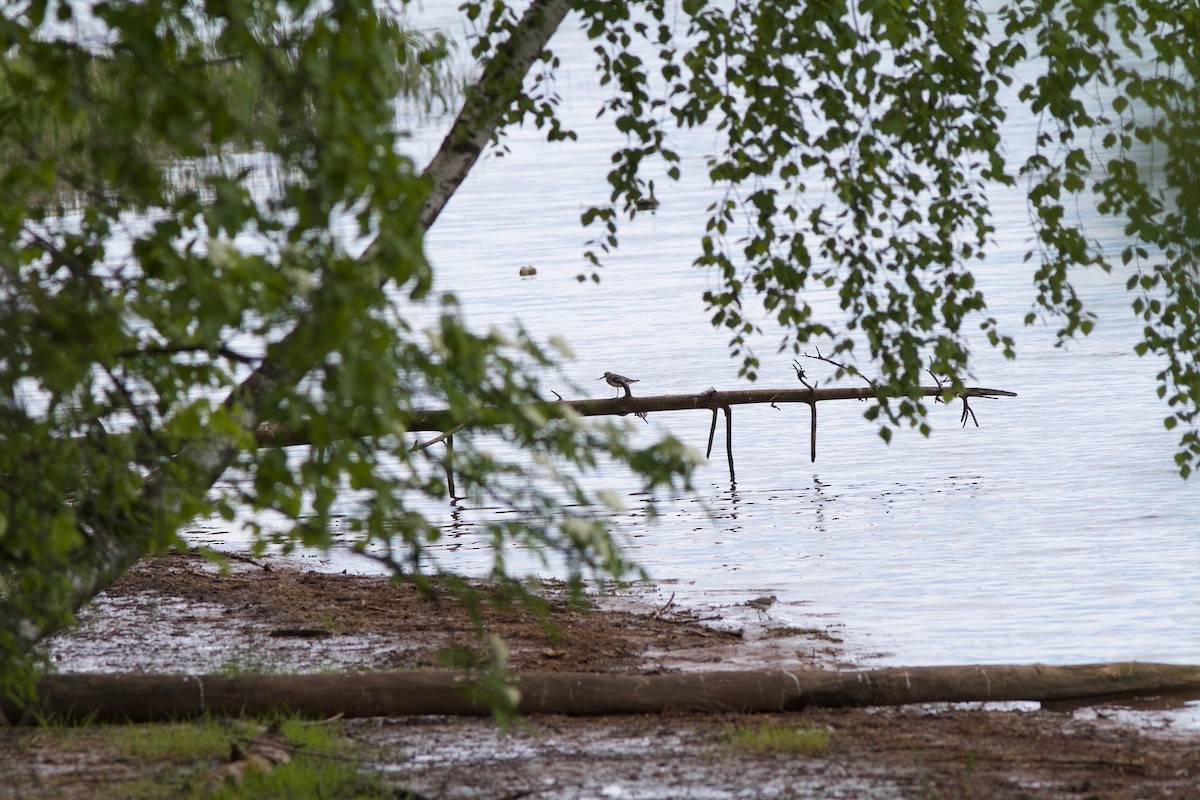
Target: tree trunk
x,y
141,697
114,542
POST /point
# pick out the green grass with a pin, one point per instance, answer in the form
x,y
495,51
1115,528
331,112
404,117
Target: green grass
x,y
303,780
186,759
175,741
313,736
777,737
323,765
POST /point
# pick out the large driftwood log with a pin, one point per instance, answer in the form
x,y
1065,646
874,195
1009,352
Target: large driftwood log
x,y
141,697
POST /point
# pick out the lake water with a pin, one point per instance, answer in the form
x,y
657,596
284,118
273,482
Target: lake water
x,y
1058,531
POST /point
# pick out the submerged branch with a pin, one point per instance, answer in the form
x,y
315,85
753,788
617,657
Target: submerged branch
x,y
440,419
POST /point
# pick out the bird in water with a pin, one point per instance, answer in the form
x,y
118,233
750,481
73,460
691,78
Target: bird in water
x,y
618,381
762,604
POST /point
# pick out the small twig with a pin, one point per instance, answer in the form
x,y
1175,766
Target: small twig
x,y
812,434
78,269
712,430
941,386
417,446
247,560
729,441
449,464
968,411
658,614
800,374
139,413
170,350
843,367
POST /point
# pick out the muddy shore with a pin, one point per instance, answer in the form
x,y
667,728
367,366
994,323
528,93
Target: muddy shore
x,y
179,614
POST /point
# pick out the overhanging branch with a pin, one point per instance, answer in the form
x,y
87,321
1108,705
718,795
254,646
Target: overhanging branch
x,y
113,542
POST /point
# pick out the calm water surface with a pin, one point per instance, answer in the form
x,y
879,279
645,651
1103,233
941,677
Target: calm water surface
x,y
1058,531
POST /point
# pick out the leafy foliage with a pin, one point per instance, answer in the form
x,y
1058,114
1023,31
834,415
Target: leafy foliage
x,y
207,223
899,109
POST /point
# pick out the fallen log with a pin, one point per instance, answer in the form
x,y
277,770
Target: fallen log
x,y
276,434
440,419
271,434
144,697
